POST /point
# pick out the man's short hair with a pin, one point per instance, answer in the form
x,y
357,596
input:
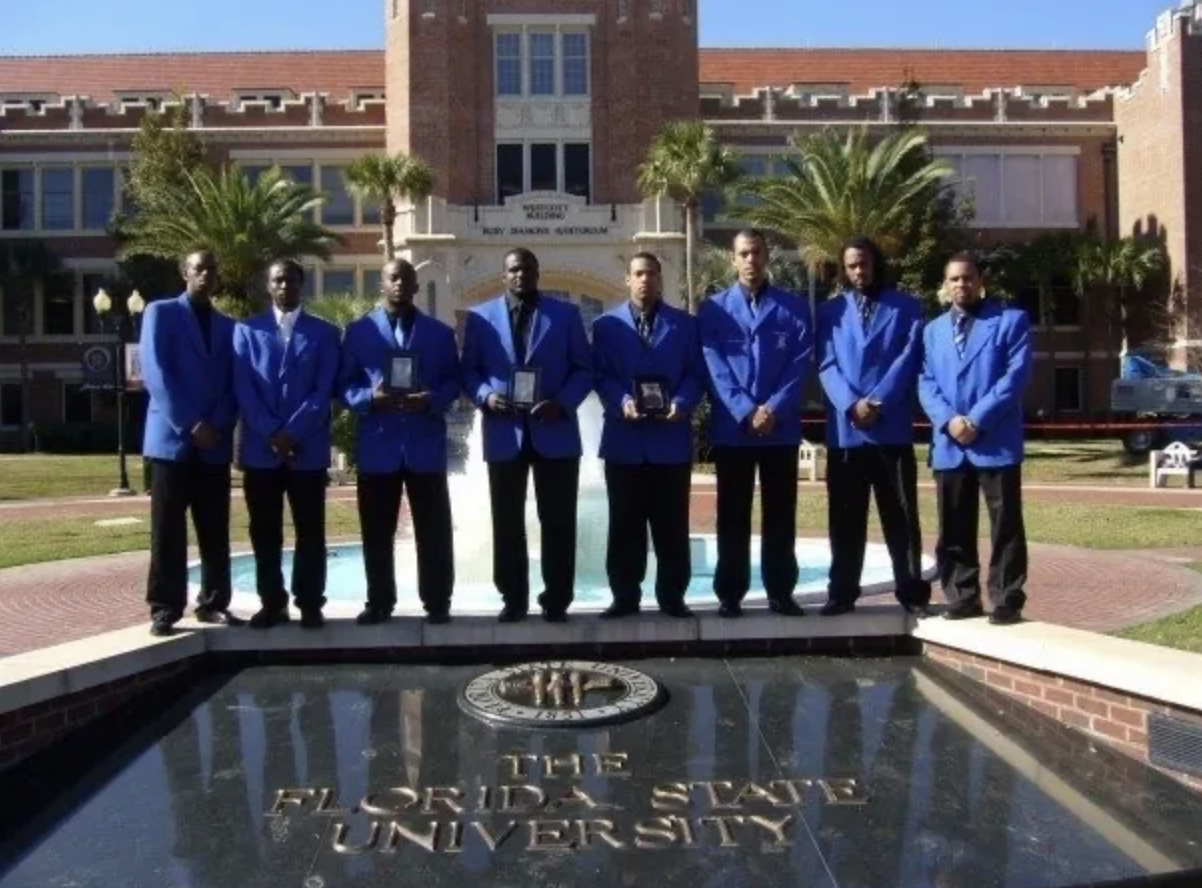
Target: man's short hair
x,y
750,234
522,253
183,262
965,257
649,257
291,265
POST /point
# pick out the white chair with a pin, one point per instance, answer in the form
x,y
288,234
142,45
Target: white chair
x,y
1176,459
807,459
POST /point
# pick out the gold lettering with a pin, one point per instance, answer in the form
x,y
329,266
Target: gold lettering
x,y
843,791
510,798
686,830
400,830
612,764
289,797
571,796
669,796
494,842
551,763
340,843
550,835
455,845
753,792
723,825
776,827
369,805
327,804
711,788
517,763
448,795
791,788
600,829
656,833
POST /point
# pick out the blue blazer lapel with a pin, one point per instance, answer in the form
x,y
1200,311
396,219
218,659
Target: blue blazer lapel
x,y
296,344
767,305
737,305
379,317
497,315
539,326
979,334
882,316
662,327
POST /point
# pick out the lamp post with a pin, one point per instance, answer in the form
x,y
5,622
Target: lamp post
x,y
120,325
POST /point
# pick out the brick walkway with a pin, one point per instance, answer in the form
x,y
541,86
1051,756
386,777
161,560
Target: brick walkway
x,y
46,604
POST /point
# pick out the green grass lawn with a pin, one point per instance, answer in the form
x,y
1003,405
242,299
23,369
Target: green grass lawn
x,y
1182,631
37,476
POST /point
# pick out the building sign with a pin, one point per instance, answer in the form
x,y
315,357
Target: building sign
x,y
547,216
99,368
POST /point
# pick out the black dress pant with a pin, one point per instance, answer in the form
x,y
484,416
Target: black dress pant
x,y
959,510
556,482
176,488
890,475
265,491
641,496
736,470
379,497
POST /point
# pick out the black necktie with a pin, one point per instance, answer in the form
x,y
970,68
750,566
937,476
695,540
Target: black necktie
x,y
645,327
866,307
521,329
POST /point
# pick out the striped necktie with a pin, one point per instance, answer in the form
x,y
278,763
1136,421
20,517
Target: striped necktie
x,y
866,307
960,334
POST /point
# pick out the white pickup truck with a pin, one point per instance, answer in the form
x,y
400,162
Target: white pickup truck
x,y
1154,393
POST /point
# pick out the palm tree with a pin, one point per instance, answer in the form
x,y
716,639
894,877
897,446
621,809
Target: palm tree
x,y
380,179
247,225
1123,264
685,161
23,263
838,187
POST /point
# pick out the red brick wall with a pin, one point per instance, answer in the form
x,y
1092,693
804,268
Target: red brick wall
x,y
27,730
1119,720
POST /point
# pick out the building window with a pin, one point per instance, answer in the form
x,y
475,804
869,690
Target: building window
x,y
16,200
1016,190
98,189
11,318
338,282
575,64
509,64
432,299
428,7
372,281
77,403
339,208
309,286
655,7
577,170
370,212
542,64
91,321
58,198
253,173
544,172
10,404
1067,389
301,175
58,305
510,180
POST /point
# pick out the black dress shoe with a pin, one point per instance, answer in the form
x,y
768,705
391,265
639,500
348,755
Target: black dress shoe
x,y
729,610
372,616
618,610
835,608
312,619
162,625
1005,616
786,607
214,617
270,616
438,618
964,611
555,616
680,610
920,611
511,613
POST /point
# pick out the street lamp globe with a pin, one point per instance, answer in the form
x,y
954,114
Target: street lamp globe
x,y
101,302
136,304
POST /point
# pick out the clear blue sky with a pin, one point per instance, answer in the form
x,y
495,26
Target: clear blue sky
x,y
75,26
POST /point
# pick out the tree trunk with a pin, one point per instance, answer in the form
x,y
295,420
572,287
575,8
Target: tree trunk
x,y
387,221
1123,319
689,236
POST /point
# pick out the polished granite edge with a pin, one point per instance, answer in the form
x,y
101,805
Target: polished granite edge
x,y
1132,667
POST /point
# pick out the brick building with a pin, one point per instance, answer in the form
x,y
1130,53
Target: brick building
x,y
534,116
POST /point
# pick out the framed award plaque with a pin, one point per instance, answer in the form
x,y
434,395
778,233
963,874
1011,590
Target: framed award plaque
x,y
524,387
400,377
651,395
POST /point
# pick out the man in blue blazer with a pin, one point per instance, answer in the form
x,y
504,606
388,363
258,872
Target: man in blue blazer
x,y
757,340
285,367
402,441
649,372
869,347
187,351
976,367
526,330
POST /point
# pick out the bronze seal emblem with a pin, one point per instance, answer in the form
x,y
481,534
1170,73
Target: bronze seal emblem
x,y
561,694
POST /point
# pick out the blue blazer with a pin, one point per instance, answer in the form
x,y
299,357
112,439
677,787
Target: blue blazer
x,y
986,386
187,382
620,355
880,363
753,360
286,390
558,346
390,442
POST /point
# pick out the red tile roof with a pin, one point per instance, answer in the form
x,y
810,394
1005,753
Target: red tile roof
x,y
973,70
338,72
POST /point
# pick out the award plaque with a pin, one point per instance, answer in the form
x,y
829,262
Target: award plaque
x,y
651,395
523,387
401,378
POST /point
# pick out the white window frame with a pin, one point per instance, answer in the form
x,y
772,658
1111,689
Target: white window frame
x,y
558,31
560,172
77,163
286,157
1000,152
